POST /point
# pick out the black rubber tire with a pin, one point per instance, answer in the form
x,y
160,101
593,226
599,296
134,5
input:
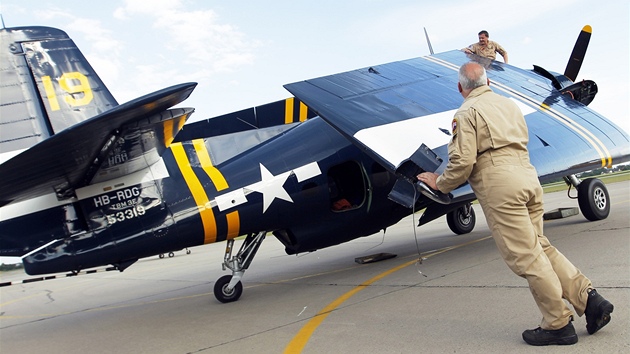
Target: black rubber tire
x,y
593,199
161,255
221,293
171,254
459,222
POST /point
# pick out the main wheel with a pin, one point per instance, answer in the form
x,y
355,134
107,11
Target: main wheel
x,y
593,199
222,293
461,220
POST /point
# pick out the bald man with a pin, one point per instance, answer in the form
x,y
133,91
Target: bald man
x,y
489,149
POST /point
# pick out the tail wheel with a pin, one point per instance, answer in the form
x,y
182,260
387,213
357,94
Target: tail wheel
x,y
225,295
593,199
461,220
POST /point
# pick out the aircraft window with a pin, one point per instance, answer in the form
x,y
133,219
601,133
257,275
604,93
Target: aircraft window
x,y
346,186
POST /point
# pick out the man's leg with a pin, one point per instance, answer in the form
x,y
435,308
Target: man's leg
x,y
576,287
574,283
504,204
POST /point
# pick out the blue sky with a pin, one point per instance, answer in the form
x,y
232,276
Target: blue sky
x,y
242,52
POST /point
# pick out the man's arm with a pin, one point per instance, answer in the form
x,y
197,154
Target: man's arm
x,y
502,51
468,50
462,153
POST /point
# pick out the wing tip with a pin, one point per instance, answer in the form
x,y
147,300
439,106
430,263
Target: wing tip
x,y
587,29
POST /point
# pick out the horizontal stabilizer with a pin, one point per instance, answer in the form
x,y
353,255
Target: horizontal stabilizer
x,y
72,158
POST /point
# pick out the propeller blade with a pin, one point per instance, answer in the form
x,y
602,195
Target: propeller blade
x,y
577,56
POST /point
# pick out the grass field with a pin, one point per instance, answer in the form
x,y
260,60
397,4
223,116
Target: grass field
x,y
607,179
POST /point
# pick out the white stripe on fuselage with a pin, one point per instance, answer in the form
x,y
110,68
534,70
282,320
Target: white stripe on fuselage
x,y
397,141
154,172
270,186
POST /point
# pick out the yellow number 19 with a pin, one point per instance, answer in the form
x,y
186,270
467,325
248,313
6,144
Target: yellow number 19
x,y
67,82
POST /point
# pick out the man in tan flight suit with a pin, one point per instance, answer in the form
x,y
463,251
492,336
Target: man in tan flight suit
x,y
489,149
486,48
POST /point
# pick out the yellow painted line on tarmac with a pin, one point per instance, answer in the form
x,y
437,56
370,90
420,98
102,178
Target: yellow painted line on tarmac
x,y
298,342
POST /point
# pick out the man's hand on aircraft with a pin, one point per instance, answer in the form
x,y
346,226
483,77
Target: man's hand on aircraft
x,y
429,179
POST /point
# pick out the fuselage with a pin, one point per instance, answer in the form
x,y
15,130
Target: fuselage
x,y
308,185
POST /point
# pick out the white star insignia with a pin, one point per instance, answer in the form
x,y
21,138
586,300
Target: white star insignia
x,y
271,187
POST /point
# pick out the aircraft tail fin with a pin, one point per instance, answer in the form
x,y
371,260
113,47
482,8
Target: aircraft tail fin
x,y
60,127
47,86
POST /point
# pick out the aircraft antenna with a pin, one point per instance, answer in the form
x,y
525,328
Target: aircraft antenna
x,y
428,40
2,19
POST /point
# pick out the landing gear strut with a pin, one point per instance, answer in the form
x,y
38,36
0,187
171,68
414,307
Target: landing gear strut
x,y
593,197
461,220
229,288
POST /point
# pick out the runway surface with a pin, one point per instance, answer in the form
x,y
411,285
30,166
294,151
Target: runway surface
x,y
462,298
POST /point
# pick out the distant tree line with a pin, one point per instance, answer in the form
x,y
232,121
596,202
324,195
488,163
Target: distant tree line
x,y
7,267
594,173
603,170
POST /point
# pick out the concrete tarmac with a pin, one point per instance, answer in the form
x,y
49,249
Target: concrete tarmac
x,y
461,299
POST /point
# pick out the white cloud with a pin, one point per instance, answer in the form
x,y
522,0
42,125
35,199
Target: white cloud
x,y
198,37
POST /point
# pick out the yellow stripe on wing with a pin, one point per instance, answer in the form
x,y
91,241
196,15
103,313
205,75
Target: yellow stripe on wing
x,y
601,149
197,192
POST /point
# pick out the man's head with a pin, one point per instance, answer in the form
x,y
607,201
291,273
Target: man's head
x,y
483,38
471,76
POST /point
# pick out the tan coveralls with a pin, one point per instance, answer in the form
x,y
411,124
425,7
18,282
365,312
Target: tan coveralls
x,y
489,51
489,149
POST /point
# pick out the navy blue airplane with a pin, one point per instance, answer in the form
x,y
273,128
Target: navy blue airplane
x,y
86,182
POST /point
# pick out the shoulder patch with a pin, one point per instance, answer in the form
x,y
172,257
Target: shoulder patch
x,y
454,126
